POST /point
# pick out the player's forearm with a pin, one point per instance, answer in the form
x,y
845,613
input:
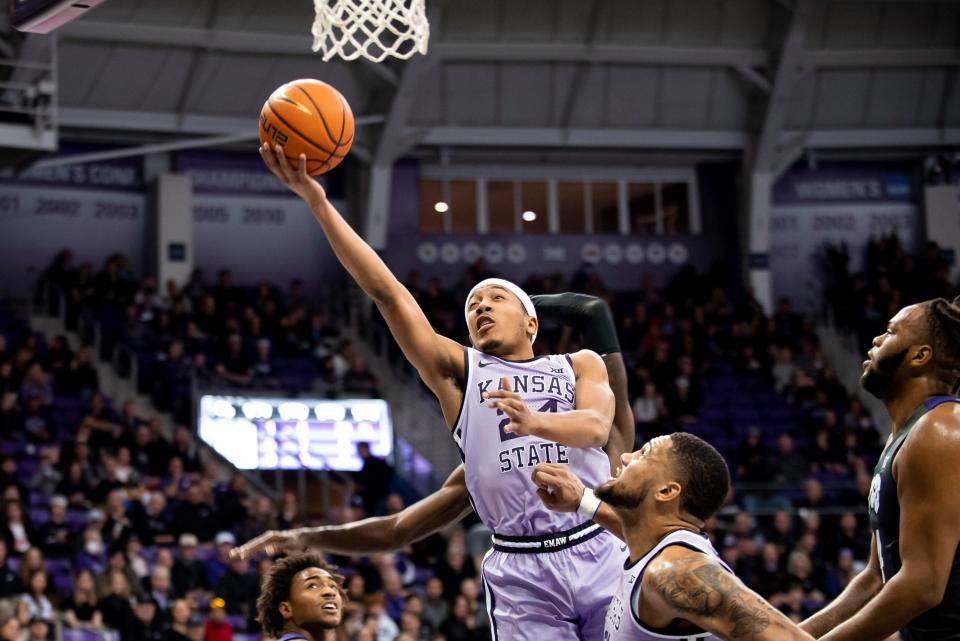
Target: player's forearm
x,y
357,257
901,600
857,594
623,433
577,428
369,536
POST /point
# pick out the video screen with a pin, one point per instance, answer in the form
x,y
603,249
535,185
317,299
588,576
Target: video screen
x,y
256,433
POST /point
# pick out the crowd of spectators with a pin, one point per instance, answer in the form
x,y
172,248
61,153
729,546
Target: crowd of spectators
x,y
890,278
135,532
221,334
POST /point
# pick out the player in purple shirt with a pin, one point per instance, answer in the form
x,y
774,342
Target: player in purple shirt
x,y
508,411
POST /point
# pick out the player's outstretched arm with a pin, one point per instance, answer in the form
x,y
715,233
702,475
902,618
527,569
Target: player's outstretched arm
x,y
591,316
438,359
927,479
685,584
624,432
561,491
587,426
857,594
440,510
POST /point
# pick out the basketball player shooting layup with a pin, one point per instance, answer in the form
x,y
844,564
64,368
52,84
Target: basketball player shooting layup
x,y
912,580
674,584
447,506
508,411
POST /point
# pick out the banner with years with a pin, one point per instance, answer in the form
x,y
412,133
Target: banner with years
x,y
799,234
262,238
246,220
38,221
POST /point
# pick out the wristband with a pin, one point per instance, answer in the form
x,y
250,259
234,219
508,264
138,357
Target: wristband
x,y
589,504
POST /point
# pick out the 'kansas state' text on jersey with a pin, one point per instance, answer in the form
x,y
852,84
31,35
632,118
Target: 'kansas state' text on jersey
x,y
499,464
623,623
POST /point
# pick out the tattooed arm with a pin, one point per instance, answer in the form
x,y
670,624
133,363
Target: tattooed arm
x,y
684,584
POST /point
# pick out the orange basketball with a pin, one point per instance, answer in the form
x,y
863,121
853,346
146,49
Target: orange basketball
x,y
308,117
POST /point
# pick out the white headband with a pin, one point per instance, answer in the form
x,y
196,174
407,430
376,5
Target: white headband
x,y
510,287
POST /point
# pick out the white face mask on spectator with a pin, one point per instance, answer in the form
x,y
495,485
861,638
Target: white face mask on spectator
x,y
94,547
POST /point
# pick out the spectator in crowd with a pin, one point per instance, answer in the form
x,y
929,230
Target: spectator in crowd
x,y
79,375
217,627
37,385
55,537
752,459
39,629
17,532
289,516
117,562
80,609
434,605
75,486
118,527
239,589
35,597
235,367
459,626
180,614
261,519
134,553
219,564
649,410
47,476
114,603
373,480
186,450
158,588
188,575
358,380
145,624
10,583
194,514
10,629
231,508
152,524
791,467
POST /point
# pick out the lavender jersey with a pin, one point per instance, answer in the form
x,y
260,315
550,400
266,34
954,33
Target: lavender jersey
x,y
499,464
623,622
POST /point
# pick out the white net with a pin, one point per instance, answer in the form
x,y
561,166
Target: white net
x,y
373,29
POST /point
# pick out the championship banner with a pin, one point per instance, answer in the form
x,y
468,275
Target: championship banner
x,y
249,222
839,204
96,209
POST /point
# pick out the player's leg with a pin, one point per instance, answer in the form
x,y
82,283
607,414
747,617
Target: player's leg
x,y
595,569
527,600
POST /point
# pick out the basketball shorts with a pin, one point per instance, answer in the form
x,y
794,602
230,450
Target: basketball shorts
x,y
556,586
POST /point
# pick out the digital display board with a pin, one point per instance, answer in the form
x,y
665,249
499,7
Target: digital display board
x,y
290,434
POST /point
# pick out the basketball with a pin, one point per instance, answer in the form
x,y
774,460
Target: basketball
x,y
308,117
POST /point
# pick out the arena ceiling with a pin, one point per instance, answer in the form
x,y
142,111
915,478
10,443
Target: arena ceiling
x,y
777,77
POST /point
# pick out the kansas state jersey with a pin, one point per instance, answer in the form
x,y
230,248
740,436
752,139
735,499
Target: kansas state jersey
x,y
499,464
623,621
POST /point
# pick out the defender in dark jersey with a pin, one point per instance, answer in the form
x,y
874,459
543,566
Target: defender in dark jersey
x,y
302,598
912,582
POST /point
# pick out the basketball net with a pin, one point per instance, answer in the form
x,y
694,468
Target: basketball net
x,y
372,29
